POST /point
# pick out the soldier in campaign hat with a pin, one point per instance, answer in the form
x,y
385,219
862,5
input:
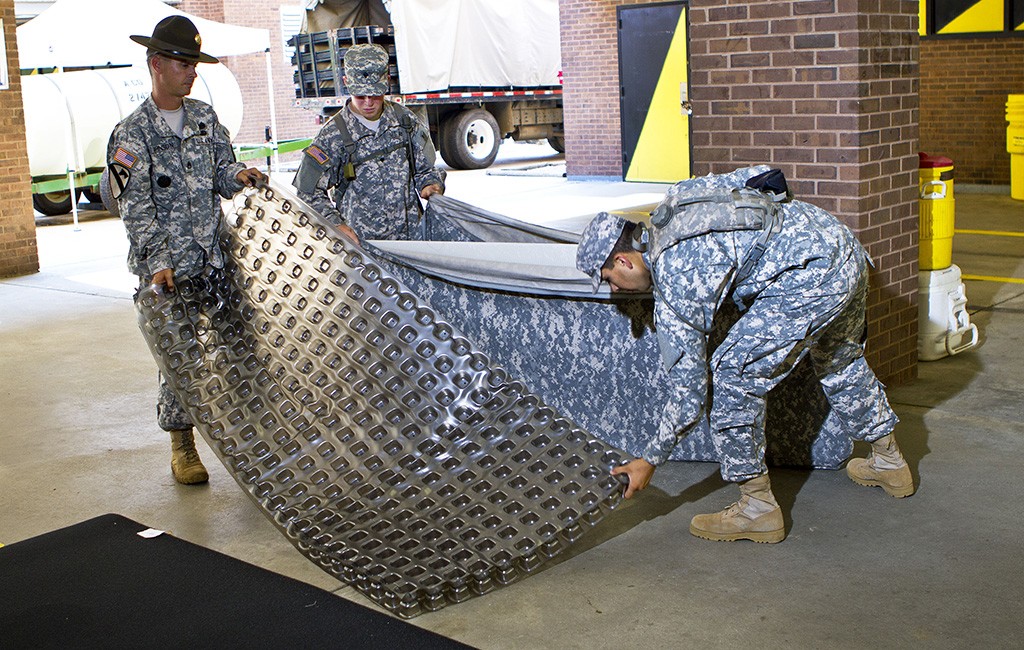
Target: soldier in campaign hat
x,y
370,165
168,164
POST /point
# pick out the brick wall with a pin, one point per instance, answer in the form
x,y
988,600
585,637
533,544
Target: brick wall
x,y
18,255
209,9
590,87
250,70
826,90
964,84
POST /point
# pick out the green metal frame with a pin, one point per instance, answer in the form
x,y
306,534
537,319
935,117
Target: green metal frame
x,y
251,152
60,184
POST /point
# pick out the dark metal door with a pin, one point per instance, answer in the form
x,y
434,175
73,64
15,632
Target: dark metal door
x,y
655,109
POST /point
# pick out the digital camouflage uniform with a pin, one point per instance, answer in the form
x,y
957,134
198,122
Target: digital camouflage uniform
x,y
387,169
168,191
806,295
382,202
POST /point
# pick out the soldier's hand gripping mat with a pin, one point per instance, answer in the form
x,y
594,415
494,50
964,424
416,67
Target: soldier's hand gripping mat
x,y
383,445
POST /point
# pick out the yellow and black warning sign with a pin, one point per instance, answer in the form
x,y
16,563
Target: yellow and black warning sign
x,y
944,17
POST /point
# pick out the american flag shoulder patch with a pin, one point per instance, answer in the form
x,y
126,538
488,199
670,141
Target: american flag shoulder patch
x,y
125,157
317,154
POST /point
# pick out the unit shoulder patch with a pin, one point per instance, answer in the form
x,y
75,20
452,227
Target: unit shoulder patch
x,y
119,176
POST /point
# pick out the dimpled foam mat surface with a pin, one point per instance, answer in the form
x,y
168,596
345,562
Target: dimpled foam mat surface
x,y
384,446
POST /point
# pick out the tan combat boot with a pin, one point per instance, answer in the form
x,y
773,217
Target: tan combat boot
x,y
185,463
756,516
884,467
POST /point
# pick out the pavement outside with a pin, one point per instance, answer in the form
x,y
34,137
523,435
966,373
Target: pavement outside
x,y
941,569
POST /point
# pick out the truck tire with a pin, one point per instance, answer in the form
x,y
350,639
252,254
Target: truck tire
x,y
557,143
54,203
470,140
92,194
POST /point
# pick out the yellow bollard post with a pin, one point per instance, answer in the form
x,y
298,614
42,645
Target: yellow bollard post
x,y
1015,144
936,207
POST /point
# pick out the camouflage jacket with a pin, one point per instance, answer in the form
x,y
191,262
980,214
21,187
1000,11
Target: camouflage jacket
x,y
167,188
808,263
382,202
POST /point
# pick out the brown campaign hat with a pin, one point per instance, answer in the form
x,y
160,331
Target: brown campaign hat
x,y
177,37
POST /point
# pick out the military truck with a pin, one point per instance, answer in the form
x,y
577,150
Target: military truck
x,y
475,72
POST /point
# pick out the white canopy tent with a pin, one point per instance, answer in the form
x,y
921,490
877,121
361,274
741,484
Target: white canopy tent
x,y
86,33
95,33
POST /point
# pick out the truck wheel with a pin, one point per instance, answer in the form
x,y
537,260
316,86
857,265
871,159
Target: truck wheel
x,y
54,203
92,194
557,143
469,140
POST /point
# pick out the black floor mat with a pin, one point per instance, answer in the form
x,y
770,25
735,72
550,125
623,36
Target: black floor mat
x,y
99,584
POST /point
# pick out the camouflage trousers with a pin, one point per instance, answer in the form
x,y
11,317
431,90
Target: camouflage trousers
x,y
751,361
170,414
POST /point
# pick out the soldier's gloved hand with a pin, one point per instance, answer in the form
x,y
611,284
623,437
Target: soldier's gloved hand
x,y
251,177
639,472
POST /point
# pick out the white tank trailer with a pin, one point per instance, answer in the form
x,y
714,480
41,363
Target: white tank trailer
x,y
69,117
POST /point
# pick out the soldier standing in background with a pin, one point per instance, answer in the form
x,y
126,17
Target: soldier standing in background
x,y
373,155
169,162
799,279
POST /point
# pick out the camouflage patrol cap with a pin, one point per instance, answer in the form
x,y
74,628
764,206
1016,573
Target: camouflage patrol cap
x,y
366,70
596,244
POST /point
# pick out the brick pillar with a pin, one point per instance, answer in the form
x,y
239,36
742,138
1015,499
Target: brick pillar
x,y
18,254
590,87
825,90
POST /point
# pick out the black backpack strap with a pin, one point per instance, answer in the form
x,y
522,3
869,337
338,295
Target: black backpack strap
x,y
348,162
772,184
405,119
408,122
773,224
346,135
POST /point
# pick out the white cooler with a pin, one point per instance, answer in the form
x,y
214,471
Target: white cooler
x,y
943,325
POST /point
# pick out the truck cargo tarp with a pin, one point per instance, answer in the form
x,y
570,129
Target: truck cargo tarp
x,y
476,43
333,14
442,44
86,33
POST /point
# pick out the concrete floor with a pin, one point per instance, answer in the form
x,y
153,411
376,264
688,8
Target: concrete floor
x,y
942,569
